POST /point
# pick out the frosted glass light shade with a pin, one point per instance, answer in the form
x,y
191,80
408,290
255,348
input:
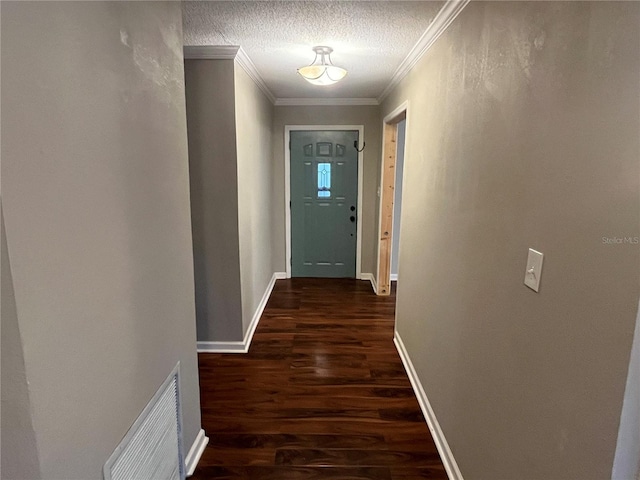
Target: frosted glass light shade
x,y
323,73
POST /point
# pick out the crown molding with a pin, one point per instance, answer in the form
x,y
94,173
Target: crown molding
x,y
436,28
211,52
248,66
229,52
312,102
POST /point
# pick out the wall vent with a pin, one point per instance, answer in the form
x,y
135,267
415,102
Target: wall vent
x,y
152,448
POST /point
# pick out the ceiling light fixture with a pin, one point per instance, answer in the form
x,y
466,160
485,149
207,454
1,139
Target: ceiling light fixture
x,y
324,72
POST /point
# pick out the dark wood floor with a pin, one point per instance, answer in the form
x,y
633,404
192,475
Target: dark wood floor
x,y
321,394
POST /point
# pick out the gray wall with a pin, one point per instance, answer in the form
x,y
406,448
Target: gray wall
x,y
397,198
523,132
96,209
214,198
369,116
18,441
627,460
254,113
229,124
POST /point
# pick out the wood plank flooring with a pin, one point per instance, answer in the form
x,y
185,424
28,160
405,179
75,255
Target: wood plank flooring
x,y
322,393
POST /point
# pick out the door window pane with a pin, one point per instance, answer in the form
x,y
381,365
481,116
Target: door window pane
x,y
308,150
324,180
324,149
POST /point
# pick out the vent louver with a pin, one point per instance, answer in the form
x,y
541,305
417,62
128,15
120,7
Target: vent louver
x,y
152,448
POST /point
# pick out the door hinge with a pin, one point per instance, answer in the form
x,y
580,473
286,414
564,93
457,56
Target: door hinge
x,y
289,144
289,203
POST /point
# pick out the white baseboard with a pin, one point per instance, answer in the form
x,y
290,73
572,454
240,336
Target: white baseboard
x,y
393,277
446,455
195,452
371,279
243,346
222,347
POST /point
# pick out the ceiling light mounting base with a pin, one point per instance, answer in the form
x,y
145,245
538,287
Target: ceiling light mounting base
x,y
322,50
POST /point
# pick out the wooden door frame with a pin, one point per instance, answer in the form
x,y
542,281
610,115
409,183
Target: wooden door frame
x,y
387,191
287,188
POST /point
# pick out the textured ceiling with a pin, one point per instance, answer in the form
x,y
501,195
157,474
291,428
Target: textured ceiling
x,y
370,39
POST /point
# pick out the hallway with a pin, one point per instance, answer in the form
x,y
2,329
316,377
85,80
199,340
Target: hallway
x,y
322,393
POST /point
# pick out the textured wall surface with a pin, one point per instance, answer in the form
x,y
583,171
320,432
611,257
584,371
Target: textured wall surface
x,y
214,198
254,114
229,123
627,460
96,208
367,116
18,442
523,132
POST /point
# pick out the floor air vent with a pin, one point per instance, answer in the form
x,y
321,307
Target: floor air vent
x,y
152,448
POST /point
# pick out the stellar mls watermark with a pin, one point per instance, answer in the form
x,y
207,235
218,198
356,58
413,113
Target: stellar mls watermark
x,y
620,240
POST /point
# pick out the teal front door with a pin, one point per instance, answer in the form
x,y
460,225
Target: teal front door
x,y
324,200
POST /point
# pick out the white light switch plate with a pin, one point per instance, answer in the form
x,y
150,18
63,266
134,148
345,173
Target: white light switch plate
x,y
533,272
